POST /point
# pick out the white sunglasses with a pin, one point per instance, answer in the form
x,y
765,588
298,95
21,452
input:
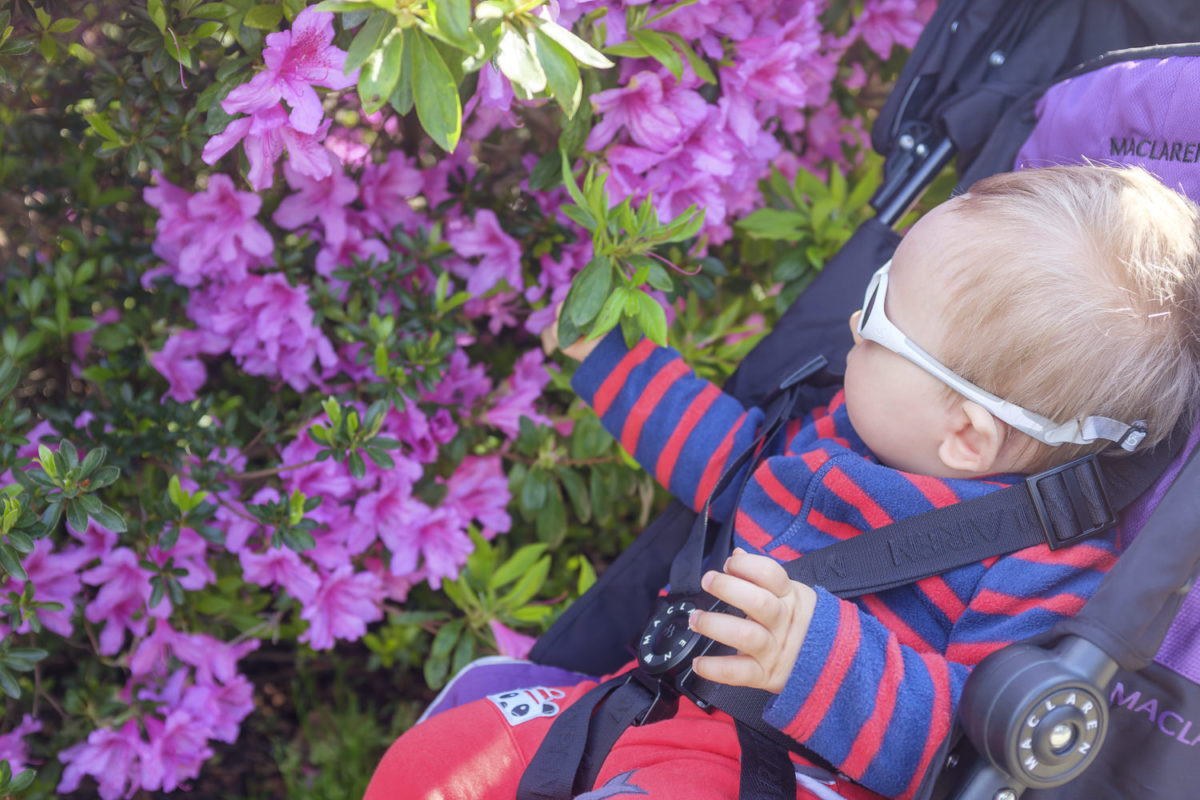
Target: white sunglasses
x,y
874,325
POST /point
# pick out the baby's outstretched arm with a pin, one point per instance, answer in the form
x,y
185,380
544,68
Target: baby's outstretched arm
x,y
768,638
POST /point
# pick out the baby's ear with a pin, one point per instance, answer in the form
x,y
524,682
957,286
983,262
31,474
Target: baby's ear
x,y
973,439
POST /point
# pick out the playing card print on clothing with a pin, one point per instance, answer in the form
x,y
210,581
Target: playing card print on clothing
x,y
522,705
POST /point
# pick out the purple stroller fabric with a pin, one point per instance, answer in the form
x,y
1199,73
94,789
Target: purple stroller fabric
x,y
1131,112
1138,112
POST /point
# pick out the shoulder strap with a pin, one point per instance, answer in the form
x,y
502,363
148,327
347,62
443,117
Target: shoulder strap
x,y
1057,507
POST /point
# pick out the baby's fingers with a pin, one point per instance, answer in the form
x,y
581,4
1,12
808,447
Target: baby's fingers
x,y
744,635
759,570
730,670
756,602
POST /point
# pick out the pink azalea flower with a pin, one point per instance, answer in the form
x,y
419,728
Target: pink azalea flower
x,y
358,245
520,392
296,61
96,540
509,642
395,587
478,490
222,708
657,116
264,136
499,308
344,605
411,428
179,361
331,550
328,479
386,189
121,603
177,749
213,659
462,384
173,225
270,326
440,537
224,239
55,580
189,553
442,426
885,23
391,512
324,200
13,747
111,757
280,566
499,254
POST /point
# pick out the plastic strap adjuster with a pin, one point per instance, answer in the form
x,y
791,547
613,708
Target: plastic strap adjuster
x,y
1063,488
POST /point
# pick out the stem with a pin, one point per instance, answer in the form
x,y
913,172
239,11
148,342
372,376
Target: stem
x,y
266,473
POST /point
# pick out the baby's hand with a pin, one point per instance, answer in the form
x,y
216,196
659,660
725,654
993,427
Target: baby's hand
x,y
778,610
579,350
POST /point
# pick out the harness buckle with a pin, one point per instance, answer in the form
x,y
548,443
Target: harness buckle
x,y
1071,501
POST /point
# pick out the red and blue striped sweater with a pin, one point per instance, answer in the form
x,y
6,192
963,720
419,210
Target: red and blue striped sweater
x,y
878,679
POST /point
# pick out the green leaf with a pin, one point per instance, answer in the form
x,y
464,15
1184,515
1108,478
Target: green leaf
x,y
529,585
11,563
381,72
104,477
368,39
358,467
342,5
576,492
22,781
774,223
158,14
263,17
584,53
698,64
438,664
64,25
659,278
652,318
76,517
610,314
453,20
94,459
562,74
534,490
109,519
516,566
436,94
591,288
8,684
660,50
21,542
515,58
213,11
573,190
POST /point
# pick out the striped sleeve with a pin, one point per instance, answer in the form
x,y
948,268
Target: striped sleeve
x,y
680,428
878,708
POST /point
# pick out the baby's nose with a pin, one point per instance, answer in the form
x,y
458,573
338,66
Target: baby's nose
x,y
854,326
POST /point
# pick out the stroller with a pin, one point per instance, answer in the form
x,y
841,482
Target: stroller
x,y
1001,84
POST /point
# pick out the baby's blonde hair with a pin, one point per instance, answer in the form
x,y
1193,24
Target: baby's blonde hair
x,y
1079,296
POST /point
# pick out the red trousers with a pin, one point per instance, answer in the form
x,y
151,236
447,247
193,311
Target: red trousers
x,y
480,750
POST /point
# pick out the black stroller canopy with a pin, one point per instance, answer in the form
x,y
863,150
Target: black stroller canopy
x,y
977,57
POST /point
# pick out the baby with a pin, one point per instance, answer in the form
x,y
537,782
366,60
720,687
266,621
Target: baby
x,y
1044,314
